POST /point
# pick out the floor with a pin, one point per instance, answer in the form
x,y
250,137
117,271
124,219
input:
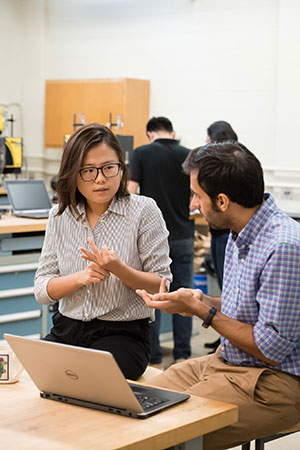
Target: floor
x,y
200,336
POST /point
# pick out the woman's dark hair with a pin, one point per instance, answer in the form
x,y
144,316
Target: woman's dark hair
x,y
80,142
228,168
221,131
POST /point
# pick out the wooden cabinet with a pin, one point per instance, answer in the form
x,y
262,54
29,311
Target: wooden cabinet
x,y
96,99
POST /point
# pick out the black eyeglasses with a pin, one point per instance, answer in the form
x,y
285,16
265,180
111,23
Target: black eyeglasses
x,y
109,170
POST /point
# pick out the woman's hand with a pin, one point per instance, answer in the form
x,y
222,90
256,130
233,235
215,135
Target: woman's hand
x,y
59,287
105,257
93,273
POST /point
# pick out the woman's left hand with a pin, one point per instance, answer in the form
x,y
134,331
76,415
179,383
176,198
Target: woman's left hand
x,y
105,257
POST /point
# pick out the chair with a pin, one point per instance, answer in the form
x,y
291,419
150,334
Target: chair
x,y
149,373
260,443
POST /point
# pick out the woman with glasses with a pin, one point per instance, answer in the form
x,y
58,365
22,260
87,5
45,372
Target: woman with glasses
x,y
101,244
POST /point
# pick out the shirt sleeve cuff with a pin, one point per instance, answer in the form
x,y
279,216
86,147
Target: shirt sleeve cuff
x,y
270,343
41,293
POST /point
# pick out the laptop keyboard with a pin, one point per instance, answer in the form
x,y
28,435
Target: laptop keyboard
x,y
148,402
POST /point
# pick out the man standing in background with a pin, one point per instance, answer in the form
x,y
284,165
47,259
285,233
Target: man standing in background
x,y
155,169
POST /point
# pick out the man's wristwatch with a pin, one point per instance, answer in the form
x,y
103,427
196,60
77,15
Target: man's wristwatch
x,y
207,321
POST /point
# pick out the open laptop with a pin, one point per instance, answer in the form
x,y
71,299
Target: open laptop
x,y
87,377
28,198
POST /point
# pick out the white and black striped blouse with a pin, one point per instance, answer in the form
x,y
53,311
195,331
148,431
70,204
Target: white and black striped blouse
x,y
134,228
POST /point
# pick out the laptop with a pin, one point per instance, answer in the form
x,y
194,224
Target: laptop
x,y
28,198
89,378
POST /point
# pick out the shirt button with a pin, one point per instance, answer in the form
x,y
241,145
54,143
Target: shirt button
x,y
222,348
88,291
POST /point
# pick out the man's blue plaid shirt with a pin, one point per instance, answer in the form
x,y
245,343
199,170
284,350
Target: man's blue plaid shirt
x,y
262,287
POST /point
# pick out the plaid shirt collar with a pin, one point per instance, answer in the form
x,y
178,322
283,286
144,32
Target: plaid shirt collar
x,y
247,235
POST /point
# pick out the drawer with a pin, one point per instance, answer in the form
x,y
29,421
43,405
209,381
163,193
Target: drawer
x,y
18,279
14,276
4,200
29,322
17,302
22,327
24,243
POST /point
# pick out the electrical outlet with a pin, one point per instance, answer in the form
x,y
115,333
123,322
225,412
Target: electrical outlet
x,y
287,194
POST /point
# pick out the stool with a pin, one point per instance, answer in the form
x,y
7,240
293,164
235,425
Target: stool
x,y
149,373
260,443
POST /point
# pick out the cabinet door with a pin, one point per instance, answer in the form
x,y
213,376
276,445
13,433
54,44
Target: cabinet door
x,y
95,98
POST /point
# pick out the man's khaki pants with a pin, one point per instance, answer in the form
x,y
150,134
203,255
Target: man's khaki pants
x,y
268,400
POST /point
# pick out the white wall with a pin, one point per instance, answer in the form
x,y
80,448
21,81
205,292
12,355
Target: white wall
x,y
288,85
235,60
22,26
11,62
207,59
33,77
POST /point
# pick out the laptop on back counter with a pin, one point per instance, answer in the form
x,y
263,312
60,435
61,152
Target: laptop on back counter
x,y
28,198
89,378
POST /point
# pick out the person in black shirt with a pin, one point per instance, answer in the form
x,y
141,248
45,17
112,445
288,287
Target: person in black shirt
x,y
155,169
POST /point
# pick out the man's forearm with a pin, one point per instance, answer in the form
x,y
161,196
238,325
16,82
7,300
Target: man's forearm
x,y
239,334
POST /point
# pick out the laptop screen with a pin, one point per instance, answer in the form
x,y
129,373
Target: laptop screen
x,y
28,194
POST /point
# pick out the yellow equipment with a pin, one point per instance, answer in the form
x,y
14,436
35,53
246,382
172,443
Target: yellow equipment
x,y
66,138
13,154
1,120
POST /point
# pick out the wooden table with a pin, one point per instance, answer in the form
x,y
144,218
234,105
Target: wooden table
x,y
30,422
12,224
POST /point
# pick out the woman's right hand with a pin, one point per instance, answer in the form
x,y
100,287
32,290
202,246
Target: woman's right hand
x,y
93,273
59,287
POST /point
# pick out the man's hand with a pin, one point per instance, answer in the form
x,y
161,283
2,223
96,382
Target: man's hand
x,y
105,258
183,301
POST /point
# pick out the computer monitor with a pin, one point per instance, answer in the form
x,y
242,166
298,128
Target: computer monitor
x,y
126,143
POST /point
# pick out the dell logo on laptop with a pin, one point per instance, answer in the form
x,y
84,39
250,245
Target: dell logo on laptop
x,y
71,374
